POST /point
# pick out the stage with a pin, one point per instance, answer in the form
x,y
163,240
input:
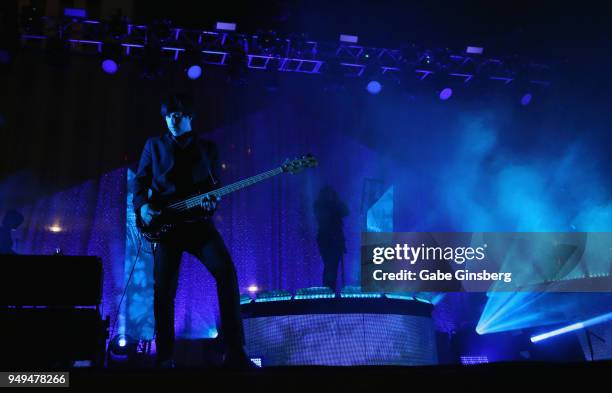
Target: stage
x,y
522,376
344,197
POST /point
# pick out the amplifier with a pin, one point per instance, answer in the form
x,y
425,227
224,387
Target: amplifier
x,y
50,311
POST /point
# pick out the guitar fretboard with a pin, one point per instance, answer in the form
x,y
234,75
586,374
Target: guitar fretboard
x,y
219,192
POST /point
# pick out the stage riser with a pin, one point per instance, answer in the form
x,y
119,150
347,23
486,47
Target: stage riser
x,y
343,339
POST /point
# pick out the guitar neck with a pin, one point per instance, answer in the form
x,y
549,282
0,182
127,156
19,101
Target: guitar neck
x,y
219,192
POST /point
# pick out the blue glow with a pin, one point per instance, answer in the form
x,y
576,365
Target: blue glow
x,y
380,216
446,93
320,296
245,299
361,295
75,12
212,333
422,300
122,342
505,311
437,298
226,26
110,66
374,87
398,296
468,360
572,327
526,99
194,72
566,329
273,296
272,299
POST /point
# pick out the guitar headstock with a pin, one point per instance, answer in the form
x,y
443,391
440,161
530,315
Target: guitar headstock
x,y
297,164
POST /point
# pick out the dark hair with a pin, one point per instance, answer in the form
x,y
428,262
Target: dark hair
x,y
180,102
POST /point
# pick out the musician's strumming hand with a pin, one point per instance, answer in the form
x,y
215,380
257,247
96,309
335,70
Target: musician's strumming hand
x,y
147,213
209,203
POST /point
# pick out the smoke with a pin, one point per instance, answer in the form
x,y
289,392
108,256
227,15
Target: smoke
x,y
485,185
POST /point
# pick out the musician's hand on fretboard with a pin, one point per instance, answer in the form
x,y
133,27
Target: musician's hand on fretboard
x,y
209,204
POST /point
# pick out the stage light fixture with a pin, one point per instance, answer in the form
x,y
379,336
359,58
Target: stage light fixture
x,y
253,288
122,345
213,333
111,56
273,296
474,50
225,26
350,39
314,293
446,93
110,66
256,361
469,360
526,99
374,87
355,292
75,13
55,228
194,72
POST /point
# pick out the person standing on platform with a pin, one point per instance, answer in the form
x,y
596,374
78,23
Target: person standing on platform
x,y
330,212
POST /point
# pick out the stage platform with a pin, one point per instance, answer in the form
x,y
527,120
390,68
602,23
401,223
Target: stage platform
x,y
340,331
524,376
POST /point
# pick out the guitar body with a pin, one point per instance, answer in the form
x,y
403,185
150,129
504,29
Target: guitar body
x,y
169,221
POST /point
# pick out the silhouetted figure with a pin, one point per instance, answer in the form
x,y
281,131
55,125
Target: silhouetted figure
x,y
176,165
330,212
12,220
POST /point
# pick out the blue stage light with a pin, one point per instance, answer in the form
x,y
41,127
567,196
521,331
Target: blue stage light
x,y
506,311
422,300
212,333
526,99
314,293
469,360
257,361
446,93
122,345
245,299
399,296
273,296
194,72
355,292
110,66
75,12
374,87
572,327
553,333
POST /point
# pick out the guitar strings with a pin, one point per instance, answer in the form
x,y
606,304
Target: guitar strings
x,y
193,201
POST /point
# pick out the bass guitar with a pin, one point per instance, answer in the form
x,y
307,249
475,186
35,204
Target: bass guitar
x,y
188,210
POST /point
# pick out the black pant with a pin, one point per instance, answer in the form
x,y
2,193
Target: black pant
x,y
204,242
331,259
